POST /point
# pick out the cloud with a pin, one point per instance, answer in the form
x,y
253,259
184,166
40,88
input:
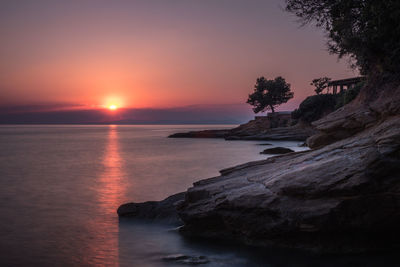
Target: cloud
x,y
196,114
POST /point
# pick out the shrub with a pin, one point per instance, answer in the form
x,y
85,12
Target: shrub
x,y
351,93
315,107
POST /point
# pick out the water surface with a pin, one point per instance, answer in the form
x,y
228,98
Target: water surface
x,y
61,185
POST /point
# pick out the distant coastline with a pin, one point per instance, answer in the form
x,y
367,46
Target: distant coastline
x,y
257,129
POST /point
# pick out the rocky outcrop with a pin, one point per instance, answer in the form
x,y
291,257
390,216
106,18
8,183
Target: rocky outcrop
x,y
277,150
186,259
201,134
293,133
343,197
365,111
252,131
164,211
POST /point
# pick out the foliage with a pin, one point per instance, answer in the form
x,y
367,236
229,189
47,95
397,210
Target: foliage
x,y
314,107
367,31
320,84
349,95
352,93
269,93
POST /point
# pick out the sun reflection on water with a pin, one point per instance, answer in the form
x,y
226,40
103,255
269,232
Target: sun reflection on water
x,y
111,180
110,193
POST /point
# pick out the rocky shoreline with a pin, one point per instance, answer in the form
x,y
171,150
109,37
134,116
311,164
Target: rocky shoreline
x,y
342,196
253,130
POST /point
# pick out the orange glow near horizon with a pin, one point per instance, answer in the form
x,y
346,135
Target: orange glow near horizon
x,y
112,107
145,54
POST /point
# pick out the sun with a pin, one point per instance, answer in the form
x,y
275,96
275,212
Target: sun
x,y
112,107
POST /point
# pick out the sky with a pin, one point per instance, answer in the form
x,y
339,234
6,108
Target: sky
x,y
60,56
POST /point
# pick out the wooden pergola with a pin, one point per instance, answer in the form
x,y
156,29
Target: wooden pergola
x,y
348,83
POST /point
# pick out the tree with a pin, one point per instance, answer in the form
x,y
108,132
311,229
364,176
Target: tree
x,y
269,93
367,31
320,84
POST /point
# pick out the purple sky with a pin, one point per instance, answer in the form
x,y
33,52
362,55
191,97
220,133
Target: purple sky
x,y
153,54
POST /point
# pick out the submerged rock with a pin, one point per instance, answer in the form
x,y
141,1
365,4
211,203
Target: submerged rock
x,y
277,150
185,259
164,211
201,134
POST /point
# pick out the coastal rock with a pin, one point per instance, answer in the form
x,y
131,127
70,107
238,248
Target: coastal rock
x,y
293,133
254,130
368,109
343,197
164,211
201,134
277,150
319,140
185,259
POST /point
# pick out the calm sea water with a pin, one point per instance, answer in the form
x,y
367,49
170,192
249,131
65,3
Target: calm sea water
x,y
61,185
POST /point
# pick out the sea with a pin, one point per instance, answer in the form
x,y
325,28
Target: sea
x,y
61,185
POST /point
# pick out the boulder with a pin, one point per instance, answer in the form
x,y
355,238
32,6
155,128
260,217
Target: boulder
x,y
319,140
186,259
277,150
201,134
163,211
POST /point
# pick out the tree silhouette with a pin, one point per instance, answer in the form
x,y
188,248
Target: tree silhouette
x,y
367,31
320,84
269,93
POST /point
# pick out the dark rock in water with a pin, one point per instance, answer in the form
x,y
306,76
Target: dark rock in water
x,y
201,134
164,211
277,150
265,144
185,259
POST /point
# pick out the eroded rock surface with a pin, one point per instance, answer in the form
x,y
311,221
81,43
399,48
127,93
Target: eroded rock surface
x,y
342,197
367,110
245,132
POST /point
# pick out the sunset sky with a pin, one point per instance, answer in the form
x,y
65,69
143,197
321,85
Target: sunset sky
x,y
149,54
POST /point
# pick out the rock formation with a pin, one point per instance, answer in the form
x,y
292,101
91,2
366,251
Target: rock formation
x,y
256,129
277,150
342,197
164,211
